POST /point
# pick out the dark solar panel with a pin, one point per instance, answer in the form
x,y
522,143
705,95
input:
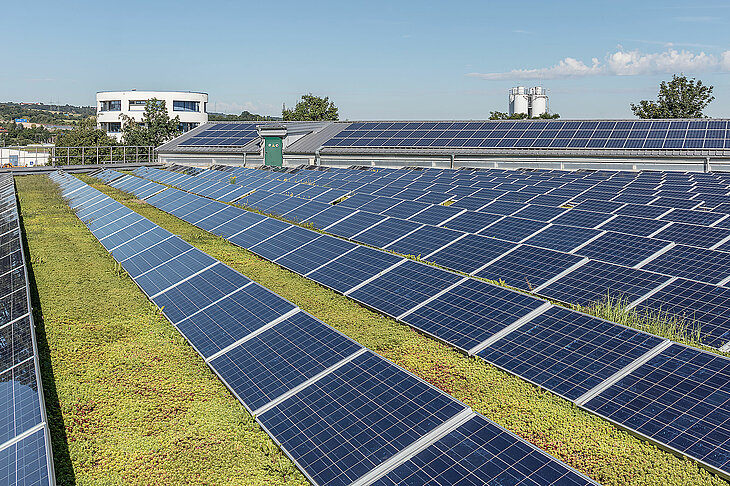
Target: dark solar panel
x,y
539,212
353,268
693,263
582,219
224,134
280,358
435,215
480,452
404,287
597,281
284,242
680,398
621,249
319,425
471,221
513,229
698,306
386,232
694,235
424,241
566,352
315,254
405,209
528,267
634,226
218,326
471,312
470,253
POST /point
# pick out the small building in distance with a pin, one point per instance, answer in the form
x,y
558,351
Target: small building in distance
x,y
190,106
532,102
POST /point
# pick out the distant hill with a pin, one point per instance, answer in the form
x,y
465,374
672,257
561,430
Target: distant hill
x,y
244,116
43,113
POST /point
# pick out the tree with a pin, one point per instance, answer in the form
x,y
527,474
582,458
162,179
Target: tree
x,y
84,135
311,108
156,127
679,98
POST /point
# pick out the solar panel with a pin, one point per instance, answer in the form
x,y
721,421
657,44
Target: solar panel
x,y
471,221
694,235
405,209
353,268
223,323
224,134
693,263
673,202
472,203
471,312
480,452
356,223
704,218
20,407
539,212
280,358
697,305
327,217
386,232
190,296
634,226
470,253
598,281
582,219
599,206
503,208
319,425
528,267
567,352
424,241
26,461
284,242
642,211
315,254
16,343
680,398
145,258
622,249
357,200
513,229
380,204
172,271
435,215
259,232
305,211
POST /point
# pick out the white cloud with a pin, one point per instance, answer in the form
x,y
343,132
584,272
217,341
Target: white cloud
x,y
621,63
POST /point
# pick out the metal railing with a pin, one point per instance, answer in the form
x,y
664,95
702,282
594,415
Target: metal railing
x,y
28,156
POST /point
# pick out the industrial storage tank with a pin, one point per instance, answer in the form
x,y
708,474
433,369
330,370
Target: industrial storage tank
x,y
519,101
538,101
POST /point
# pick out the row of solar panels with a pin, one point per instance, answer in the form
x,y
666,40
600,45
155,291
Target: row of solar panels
x,y
565,263
342,413
25,448
675,395
658,134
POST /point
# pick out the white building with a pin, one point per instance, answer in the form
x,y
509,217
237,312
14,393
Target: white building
x,y
190,106
532,102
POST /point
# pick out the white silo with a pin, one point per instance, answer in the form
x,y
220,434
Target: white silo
x,y
538,101
519,101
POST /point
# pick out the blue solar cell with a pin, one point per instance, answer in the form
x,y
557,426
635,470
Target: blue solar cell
x,y
622,249
353,268
305,211
567,352
20,407
471,312
192,295
256,233
356,223
673,202
284,242
236,224
223,323
380,204
25,462
386,232
319,425
472,221
404,287
700,307
694,235
151,256
357,200
709,266
424,241
597,282
470,253
582,219
680,398
502,207
173,271
280,358
314,254
471,203
634,226
528,267
405,209
513,229
480,452
599,206
642,211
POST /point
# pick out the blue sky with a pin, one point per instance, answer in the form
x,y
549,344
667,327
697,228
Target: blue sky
x,y
374,59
